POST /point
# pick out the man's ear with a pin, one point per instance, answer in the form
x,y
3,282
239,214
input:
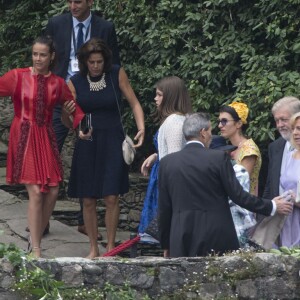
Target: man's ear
x,y
203,133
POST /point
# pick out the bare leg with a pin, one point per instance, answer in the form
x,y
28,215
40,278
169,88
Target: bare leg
x,y
35,209
111,219
91,224
49,200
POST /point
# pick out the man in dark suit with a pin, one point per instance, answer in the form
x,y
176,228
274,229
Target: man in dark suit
x,y
64,30
194,186
66,33
267,230
278,150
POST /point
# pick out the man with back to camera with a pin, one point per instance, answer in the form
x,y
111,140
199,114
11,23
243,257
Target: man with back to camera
x,y
69,31
194,186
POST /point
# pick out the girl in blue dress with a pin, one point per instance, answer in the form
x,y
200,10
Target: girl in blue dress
x,y
173,103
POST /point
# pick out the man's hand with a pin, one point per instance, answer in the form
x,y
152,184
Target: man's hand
x,y
166,253
283,207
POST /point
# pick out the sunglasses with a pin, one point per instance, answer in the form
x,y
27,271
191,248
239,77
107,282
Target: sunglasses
x,y
223,121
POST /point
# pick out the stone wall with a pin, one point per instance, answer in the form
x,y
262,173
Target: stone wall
x,y
242,276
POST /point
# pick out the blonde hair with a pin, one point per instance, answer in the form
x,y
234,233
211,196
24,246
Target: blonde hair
x,y
293,121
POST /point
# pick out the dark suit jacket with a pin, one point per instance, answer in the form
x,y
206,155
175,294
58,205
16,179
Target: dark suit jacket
x,y
194,214
275,153
60,29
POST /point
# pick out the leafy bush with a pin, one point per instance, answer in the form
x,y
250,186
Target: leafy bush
x,y
20,23
222,49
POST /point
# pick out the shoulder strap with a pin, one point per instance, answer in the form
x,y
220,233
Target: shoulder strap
x,y
119,110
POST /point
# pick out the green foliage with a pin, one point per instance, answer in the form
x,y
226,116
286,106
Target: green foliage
x,y
222,49
82,294
36,283
20,23
295,251
109,291
114,293
12,253
31,280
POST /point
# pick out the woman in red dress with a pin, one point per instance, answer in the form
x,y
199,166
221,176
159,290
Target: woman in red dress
x,y
33,158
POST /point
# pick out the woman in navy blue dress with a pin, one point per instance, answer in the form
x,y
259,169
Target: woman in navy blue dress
x,y
98,168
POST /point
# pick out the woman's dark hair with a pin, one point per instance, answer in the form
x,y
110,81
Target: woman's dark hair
x,y
47,40
94,45
230,110
176,98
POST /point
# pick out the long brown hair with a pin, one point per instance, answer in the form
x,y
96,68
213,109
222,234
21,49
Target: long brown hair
x,y
176,98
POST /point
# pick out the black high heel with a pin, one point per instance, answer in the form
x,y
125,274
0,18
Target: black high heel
x,y
29,247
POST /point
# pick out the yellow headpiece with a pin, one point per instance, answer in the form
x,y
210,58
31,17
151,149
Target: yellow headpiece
x,y
241,109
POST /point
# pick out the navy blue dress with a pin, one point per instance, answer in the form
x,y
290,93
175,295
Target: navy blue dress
x,y
98,168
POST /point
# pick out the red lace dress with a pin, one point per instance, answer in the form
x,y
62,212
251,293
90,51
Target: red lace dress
x,y
33,156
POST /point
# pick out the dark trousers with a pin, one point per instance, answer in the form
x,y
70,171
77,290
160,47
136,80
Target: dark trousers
x,y
61,132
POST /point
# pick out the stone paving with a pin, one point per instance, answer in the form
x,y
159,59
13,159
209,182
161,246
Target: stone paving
x,y
62,241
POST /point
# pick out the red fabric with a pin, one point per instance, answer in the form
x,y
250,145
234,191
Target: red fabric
x,y
78,116
33,156
125,245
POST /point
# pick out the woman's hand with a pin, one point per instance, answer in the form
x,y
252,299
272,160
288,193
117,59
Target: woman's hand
x,y
147,164
66,117
69,107
140,138
87,136
135,105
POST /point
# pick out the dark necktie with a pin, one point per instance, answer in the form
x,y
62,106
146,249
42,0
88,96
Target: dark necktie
x,y
79,36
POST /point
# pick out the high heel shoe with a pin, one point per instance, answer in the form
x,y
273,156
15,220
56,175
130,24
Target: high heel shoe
x,y
46,231
29,247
